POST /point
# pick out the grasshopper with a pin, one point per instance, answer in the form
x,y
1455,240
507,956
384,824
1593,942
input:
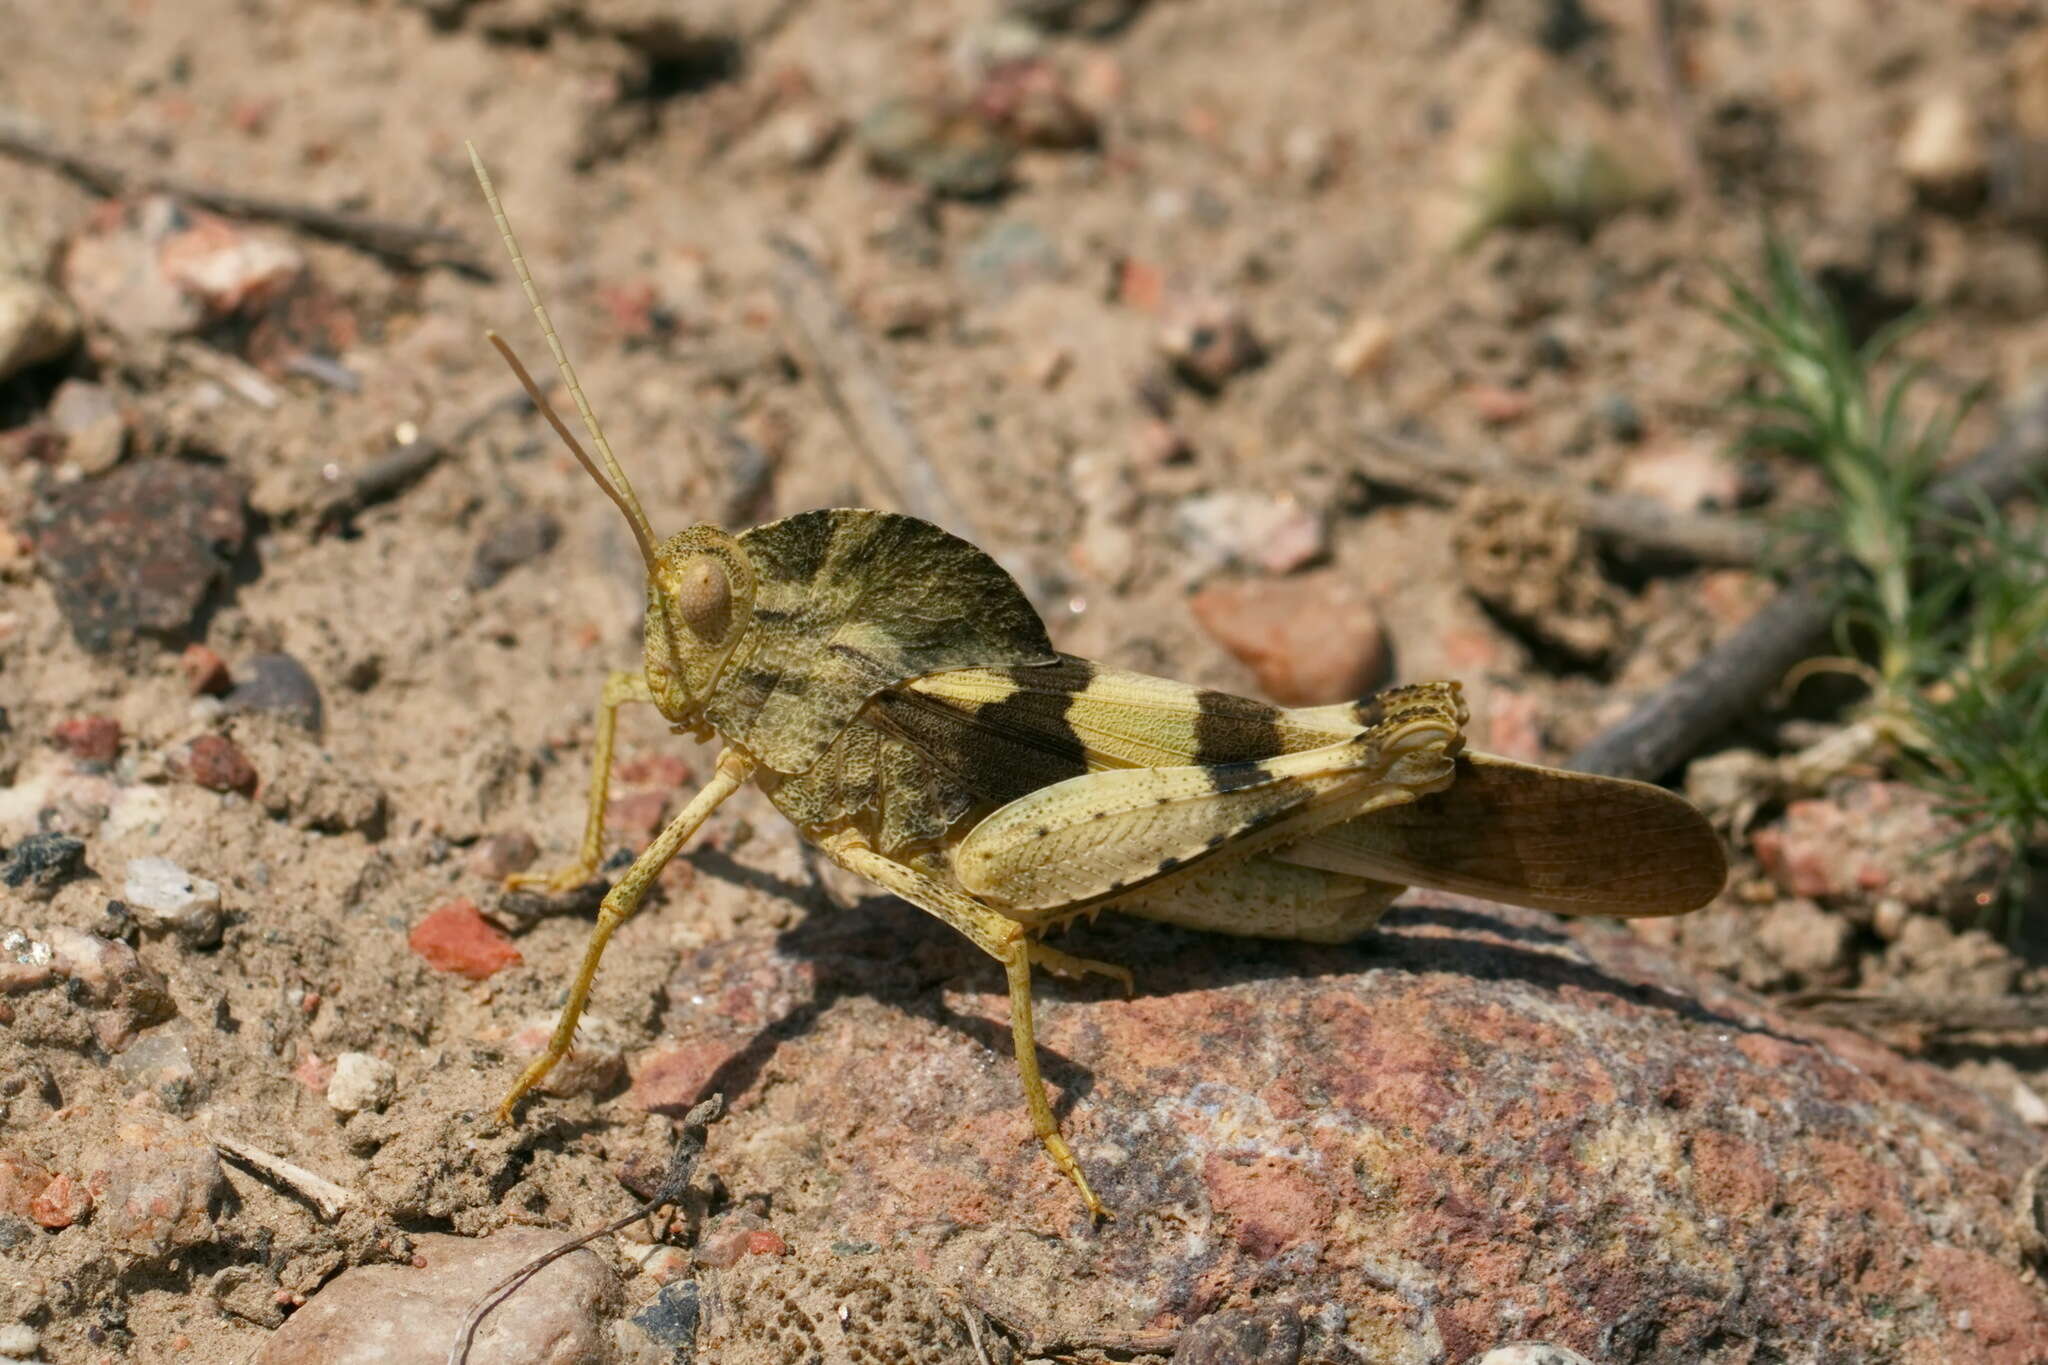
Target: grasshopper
x,y
894,694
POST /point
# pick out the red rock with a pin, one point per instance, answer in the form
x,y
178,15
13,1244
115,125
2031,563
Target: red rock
x,y
456,938
1497,406
94,739
671,1079
1309,639
637,815
21,1180
1140,285
206,673
766,1242
1208,341
313,1072
1538,1135
668,772
1883,838
62,1202
157,1193
216,763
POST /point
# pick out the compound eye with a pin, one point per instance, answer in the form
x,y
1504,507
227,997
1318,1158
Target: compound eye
x,y
704,597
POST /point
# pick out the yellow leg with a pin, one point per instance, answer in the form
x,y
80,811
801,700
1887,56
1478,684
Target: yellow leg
x,y
620,904
1009,943
619,689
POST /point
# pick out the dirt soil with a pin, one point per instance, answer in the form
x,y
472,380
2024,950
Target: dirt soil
x,y
1145,315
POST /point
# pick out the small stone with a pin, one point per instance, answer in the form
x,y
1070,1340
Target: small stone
x,y
671,1079
206,673
1497,406
1807,941
671,1321
216,763
2028,1104
361,1082
596,1062
1243,1336
1309,640
1031,100
159,1192
1532,1353
950,151
1364,347
160,1063
1619,414
510,542
1009,254
1879,839
19,1341
732,1237
138,551
1688,476
1274,532
37,324
41,863
498,856
110,977
279,685
1208,341
456,938
407,1314
167,899
804,138
95,433
21,1180
60,1203
91,739
1943,151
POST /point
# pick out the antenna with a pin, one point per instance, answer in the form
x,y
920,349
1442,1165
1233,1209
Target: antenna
x,y
616,487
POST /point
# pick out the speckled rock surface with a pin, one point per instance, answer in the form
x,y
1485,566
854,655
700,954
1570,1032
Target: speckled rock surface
x,y
1468,1130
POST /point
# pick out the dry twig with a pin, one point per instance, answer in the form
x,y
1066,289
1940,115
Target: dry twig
x,y
1670,726
407,244
346,494
330,1199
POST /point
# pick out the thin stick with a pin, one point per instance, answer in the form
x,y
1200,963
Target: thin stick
x,y
682,1162
1930,1017
388,473
330,1199
1670,726
1440,475
1663,34
847,370
402,242
624,495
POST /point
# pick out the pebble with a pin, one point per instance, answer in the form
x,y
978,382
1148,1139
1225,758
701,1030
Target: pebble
x,y
950,151
1208,341
161,1063
1687,476
595,1064
163,269
206,673
111,978
511,541
1497,406
672,1319
95,433
1031,100
1878,839
37,324
138,550
1268,1335
456,938
1619,414
41,863
60,1203
1364,347
1943,150
167,899
361,1082
216,763
1532,1353
158,1192
1278,533
407,1314
1007,255
498,856
1309,640
670,1079
1807,941
21,1180
91,739
279,685
19,1341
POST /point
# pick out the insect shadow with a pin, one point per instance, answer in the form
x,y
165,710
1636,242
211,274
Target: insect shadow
x,y
887,950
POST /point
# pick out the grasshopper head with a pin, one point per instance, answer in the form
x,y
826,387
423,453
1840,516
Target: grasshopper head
x,y
700,605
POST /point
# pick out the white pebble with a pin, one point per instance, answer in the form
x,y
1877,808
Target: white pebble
x,y
1532,1353
361,1082
166,898
18,1341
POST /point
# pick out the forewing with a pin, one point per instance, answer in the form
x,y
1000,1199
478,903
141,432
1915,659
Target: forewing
x,y
1541,837
849,602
